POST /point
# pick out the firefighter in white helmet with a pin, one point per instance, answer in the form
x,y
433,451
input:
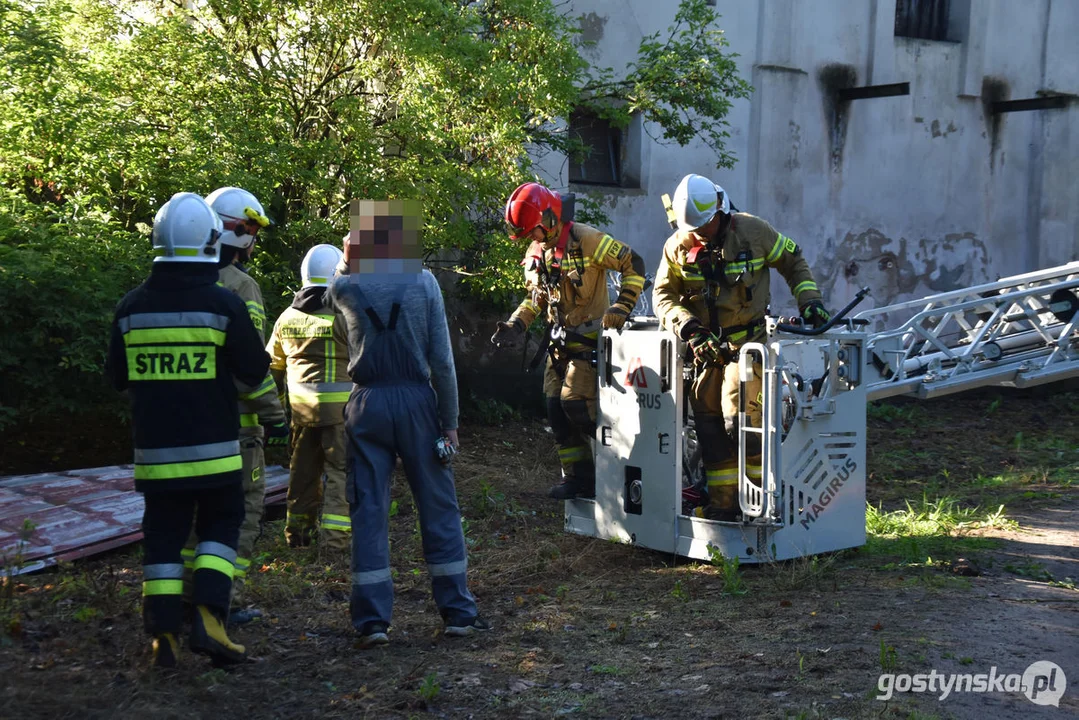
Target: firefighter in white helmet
x,y
261,417
179,346
712,290
309,349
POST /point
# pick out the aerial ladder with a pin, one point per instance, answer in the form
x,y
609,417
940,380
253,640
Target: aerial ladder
x,y
1021,332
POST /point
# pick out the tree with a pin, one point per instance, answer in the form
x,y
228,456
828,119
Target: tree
x,y
108,107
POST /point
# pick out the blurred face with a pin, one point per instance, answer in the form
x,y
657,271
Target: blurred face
x,y
384,236
707,232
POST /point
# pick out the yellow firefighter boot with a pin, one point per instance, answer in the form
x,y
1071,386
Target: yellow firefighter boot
x,y
166,651
723,504
208,637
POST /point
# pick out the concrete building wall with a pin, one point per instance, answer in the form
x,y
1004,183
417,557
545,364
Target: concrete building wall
x,y
911,194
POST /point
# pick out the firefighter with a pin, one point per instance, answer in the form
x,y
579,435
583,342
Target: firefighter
x,y
566,274
261,415
309,345
712,291
179,345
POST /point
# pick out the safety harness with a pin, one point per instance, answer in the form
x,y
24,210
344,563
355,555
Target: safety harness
x,y
713,267
558,336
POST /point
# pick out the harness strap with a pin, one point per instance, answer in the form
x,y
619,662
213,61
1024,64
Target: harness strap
x,y
395,309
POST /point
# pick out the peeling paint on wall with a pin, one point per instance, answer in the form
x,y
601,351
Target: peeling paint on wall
x,y
792,162
895,269
934,128
592,26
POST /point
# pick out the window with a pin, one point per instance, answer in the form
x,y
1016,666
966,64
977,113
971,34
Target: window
x,y
925,19
602,161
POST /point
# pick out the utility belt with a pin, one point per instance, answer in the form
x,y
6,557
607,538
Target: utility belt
x,y
732,334
557,343
739,334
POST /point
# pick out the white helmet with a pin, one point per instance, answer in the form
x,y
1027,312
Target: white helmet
x,y
695,202
319,264
241,214
186,229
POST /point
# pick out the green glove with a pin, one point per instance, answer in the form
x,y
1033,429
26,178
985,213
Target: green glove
x,y
706,347
276,435
814,313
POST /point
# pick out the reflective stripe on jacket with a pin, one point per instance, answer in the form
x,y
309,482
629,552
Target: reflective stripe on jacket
x,y
179,344
589,253
742,289
259,405
312,351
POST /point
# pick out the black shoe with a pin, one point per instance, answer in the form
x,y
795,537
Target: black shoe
x,y
166,651
569,489
467,627
242,616
373,634
299,541
721,514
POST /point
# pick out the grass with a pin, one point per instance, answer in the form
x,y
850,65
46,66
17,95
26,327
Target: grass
x,y
937,528
587,611
729,573
816,572
954,447
888,657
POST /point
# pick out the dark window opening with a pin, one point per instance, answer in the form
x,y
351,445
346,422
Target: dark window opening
x,y
601,162
924,19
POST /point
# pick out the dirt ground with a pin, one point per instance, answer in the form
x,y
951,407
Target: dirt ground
x,y
587,628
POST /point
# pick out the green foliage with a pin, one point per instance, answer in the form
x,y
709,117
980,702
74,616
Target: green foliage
x,y
729,571
60,276
682,83
487,410
429,688
888,657
930,528
107,108
679,592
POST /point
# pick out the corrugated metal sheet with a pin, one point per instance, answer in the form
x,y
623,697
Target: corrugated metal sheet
x,y
77,513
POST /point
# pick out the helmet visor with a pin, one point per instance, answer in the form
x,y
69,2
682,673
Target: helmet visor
x,y
517,232
249,224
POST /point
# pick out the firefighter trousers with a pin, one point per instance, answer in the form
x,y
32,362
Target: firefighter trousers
x,y
714,398
316,450
570,388
254,493
167,520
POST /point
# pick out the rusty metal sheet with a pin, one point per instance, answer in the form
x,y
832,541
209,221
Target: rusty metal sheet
x,y
78,513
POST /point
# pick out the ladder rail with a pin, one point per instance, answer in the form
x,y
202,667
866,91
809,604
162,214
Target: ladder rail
x,y
1006,332
1061,273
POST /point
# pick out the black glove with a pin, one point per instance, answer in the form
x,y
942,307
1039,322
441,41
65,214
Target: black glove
x,y
707,349
276,435
508,334
814,313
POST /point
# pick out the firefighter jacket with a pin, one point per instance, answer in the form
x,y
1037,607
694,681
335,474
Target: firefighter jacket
x,y
260,406
736,275
179,345
569,280
309,347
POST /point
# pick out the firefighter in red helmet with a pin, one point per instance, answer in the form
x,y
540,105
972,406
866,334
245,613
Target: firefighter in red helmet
x,y
566,276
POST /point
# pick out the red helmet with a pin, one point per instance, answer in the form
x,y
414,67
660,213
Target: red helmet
x,y
531,205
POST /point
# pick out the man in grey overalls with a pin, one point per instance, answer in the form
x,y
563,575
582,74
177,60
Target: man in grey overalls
x,y
403,403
